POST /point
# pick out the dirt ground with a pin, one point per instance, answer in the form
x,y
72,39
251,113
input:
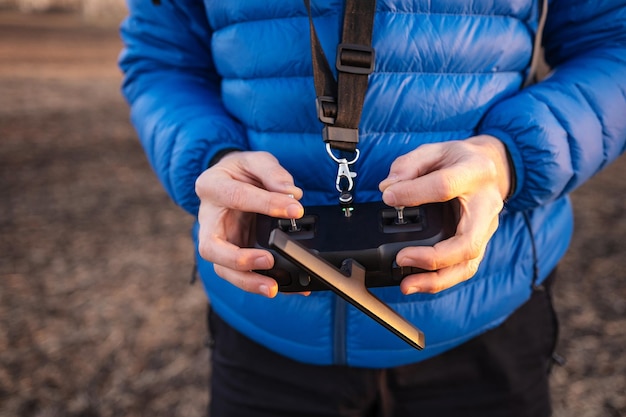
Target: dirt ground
x,y
97,316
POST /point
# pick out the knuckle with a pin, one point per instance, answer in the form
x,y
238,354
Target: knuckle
x,y
266,155
431,264
494,201
263,157
474,248
241,261
401,160
278,173
446,187
471,269
490,168
200,185
426,258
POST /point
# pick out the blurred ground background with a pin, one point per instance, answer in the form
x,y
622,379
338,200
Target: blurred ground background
x,y
97,316
98,12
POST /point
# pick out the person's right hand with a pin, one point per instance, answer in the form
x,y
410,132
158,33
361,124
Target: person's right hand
x,y
231,192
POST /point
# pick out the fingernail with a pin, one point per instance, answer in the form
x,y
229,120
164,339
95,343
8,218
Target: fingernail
x,y
264,290
294,211
391,179
291,190
269,292
412,290
261,263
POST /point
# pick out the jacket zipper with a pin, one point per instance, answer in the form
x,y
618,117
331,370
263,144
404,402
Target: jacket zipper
x,y
339,331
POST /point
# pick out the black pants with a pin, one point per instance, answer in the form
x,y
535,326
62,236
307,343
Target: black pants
x,y
503,372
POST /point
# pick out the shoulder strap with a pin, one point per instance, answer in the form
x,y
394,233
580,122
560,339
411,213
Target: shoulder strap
x,y
340,102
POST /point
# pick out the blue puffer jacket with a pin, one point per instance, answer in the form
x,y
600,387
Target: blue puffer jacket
x,y
202,77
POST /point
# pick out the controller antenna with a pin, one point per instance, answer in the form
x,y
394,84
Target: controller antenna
x,y
294,225
400,215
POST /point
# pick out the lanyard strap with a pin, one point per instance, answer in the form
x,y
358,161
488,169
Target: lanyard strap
x,y
340,102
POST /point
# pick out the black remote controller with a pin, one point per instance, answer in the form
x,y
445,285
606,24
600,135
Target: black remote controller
x,y
348,284
371,236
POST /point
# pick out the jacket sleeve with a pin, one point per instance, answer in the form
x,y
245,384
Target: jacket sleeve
x,y
566,128
174,93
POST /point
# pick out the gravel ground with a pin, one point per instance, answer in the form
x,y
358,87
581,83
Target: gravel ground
x,y
97,316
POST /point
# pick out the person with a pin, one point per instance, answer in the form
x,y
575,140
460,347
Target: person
x,y
222,96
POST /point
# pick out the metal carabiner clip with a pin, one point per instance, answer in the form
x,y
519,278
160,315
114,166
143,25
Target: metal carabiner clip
x,y
343,171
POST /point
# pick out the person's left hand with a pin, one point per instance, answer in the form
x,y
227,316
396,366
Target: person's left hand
x,y
476,173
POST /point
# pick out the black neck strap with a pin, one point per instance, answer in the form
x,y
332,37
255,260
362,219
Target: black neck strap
x,y
340,102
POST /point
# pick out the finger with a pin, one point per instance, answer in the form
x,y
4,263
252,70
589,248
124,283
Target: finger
x,y
414,164
222,190
251,182
437,281
439,172
478,222
235,264
263,169
249,281
436,258
302,293
224,253
441,185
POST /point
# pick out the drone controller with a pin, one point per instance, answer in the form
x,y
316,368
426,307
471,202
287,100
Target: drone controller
x,y
371,236
327,250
